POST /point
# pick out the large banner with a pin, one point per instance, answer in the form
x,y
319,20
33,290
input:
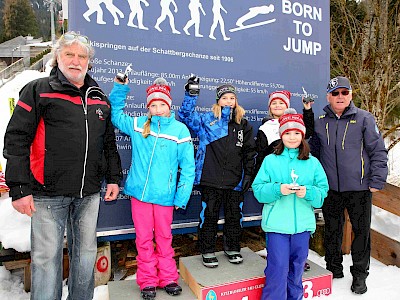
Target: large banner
x,y
258,46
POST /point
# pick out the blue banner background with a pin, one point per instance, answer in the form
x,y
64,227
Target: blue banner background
x,y
257,60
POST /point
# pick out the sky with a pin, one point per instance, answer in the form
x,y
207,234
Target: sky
x,y
383,281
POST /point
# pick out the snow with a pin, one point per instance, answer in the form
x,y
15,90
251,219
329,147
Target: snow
x,y
383,281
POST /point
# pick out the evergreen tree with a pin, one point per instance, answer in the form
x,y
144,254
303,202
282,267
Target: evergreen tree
x,y
18,19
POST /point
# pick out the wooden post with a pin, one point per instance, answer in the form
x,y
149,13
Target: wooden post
x,y
347,234
26,265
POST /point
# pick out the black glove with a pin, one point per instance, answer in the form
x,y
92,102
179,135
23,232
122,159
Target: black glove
x,y
192,85
246,183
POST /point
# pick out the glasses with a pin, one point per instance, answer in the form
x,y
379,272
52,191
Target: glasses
x,y
71,36
336,93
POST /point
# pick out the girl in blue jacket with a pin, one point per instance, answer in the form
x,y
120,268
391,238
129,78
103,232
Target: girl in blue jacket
x,y
160,145
224,167
290,184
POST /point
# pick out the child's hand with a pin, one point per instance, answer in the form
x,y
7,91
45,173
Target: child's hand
x,y
307,104
118,80
285,189
301,192
177,207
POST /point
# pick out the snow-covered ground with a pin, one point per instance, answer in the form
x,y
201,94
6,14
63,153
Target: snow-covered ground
x,y
383,282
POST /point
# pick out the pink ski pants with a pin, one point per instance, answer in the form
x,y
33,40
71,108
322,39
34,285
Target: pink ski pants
x,y
156,267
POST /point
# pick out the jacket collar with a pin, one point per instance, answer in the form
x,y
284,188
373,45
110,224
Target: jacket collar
x,y
59,82
349,110
290,152
163,120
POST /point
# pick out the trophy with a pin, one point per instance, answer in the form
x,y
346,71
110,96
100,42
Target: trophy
x,y
294,185
194,86
122,76
306,98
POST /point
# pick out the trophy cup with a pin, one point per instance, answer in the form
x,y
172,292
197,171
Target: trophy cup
x,y
122,76
194,87
306,98
294,185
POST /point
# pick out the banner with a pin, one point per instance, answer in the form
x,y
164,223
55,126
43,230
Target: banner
x,y
258,46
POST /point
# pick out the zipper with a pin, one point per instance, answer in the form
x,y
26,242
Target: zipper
x,y
344,135
225,156
84,106
327,131
294,213
362,161
336,156
169,181
151,159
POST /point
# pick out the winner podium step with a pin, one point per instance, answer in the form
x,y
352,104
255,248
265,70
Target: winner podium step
x,y
243,281
129,290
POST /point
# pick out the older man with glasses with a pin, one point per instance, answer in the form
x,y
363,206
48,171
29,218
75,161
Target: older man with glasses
x,y
351,149
59,145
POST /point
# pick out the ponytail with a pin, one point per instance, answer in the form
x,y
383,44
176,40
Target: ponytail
x,y
146,127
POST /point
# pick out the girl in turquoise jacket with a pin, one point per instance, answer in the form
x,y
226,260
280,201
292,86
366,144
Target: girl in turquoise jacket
x,y
290,184
160,146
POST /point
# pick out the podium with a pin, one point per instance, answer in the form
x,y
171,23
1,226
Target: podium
x,y
243,281
129,290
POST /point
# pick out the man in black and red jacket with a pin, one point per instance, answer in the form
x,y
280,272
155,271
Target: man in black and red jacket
x,y
59,145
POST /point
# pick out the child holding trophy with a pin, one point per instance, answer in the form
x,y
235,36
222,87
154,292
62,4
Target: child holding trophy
x,y
290,184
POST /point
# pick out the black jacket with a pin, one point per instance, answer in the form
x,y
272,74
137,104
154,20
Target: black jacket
x,y
265,147
229,158
60,140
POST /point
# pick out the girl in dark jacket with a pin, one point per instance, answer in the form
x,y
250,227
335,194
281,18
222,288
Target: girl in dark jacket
x,y
224,167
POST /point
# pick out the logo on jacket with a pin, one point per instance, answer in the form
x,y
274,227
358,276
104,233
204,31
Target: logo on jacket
x,y
100,113
213,122
239,143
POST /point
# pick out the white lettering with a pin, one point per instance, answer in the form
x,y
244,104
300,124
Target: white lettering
x,y
302,46
301,10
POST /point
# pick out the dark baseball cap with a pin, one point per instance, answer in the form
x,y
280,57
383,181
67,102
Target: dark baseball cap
x,y
338,82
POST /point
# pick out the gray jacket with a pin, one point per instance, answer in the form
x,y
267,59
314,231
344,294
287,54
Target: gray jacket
x,y
351,149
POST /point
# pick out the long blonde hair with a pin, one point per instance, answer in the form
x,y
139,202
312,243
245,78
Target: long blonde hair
x,y
239,111
146,126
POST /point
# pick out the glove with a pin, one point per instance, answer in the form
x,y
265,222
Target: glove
x,y
246,183
192,85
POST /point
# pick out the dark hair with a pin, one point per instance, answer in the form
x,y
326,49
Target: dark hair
x,y
304,149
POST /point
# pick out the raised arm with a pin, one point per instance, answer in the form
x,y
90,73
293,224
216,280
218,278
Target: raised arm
x,y
117,99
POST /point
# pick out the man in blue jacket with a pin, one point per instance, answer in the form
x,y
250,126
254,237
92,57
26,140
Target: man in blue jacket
x,y
351,150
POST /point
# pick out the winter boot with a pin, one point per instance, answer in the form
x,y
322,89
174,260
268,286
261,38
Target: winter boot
x,y
173,289
210,260
234,257
149,293
307,267
358,286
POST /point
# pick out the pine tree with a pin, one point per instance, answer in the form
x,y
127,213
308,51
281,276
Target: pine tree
x,y
18,19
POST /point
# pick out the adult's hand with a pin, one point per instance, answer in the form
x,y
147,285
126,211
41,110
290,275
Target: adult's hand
x,y
24,205
111,192
373,190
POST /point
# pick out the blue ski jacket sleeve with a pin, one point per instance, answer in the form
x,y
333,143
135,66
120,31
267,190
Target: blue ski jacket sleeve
x,y
162,169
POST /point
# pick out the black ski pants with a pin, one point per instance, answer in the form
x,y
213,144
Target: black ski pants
x,y
232,201
359,206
